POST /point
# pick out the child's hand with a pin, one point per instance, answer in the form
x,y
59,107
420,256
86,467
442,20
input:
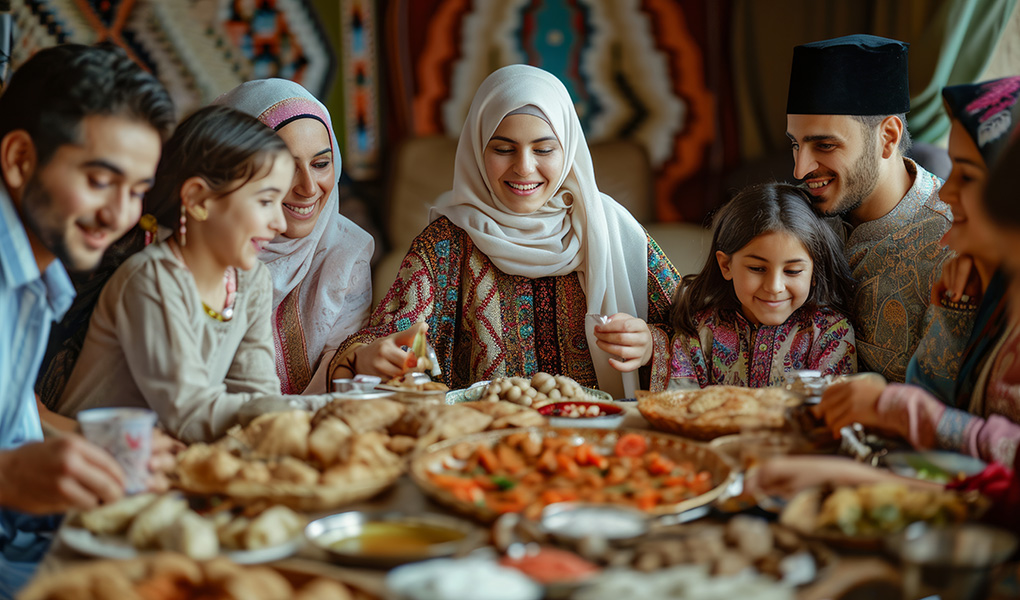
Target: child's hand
x,y
854,400
385,357
627,337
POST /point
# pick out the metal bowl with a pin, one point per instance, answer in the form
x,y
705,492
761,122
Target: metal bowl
x,y
326,532
956,562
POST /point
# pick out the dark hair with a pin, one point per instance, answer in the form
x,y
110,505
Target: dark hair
x,y
757,210
217,143
871,123
223,146
1000,195
52,92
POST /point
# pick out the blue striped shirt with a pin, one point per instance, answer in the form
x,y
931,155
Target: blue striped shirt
x,y
29,303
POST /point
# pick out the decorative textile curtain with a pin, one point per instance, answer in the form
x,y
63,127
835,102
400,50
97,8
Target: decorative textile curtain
x,y
969,31
951,41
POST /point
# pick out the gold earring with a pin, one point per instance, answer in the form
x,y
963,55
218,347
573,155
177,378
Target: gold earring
x,y
199,213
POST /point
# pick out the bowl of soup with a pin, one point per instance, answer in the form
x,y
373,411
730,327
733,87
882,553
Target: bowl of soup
x,y
388,539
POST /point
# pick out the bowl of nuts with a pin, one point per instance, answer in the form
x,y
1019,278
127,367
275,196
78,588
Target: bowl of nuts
x,y
576,413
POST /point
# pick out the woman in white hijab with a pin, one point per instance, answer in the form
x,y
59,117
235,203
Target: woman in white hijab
x,y
517,254
322,284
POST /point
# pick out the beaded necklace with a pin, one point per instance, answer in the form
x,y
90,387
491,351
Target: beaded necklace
x,y
229,282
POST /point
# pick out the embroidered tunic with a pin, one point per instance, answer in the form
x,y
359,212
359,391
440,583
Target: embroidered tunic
x,y
729,350
484,323
896,259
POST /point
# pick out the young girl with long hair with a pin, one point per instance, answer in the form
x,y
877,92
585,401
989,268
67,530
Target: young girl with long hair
x,y
183,327
770,298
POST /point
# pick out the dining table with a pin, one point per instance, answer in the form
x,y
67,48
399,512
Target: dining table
x,y
855,574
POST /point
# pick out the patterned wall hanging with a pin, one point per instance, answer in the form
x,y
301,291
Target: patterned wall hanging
x,y
633,68
360,72
198,48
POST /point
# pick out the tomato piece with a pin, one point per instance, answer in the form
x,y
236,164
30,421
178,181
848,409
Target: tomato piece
x,y
487,458
660,465
631,444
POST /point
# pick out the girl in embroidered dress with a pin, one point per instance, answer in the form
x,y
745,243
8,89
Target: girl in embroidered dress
x,y
322,281
182,327
769,299
518,252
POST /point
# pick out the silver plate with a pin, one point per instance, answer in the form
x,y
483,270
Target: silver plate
x,y
324,532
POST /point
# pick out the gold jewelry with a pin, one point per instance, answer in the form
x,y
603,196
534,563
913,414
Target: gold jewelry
x,y
199,213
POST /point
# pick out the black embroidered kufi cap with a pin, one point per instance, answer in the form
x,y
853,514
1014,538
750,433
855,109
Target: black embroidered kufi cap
x,y
850,75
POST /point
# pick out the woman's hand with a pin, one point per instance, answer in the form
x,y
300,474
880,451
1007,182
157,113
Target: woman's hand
x,y
163,460
627,337
385,357
853,400
959,277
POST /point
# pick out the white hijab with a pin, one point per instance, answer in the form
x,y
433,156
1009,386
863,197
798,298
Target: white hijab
x,y
325,254
579,228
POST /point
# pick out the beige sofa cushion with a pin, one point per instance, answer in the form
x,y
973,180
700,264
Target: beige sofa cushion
x,y
423,170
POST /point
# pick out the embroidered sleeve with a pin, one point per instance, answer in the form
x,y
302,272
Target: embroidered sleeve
x,y
663,279
835,352
408,301
936,362
687,360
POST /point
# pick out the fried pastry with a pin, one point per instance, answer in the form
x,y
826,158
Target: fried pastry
x,y
453,422
279,434
363,416
114,518
203,465
151,521
329,441
192,536
273,527
292,470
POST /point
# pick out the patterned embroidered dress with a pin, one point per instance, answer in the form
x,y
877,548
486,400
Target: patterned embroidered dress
x,y
896,259
484,323
956,344
729,350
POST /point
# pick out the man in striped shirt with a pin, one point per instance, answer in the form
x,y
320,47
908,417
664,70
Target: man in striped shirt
x,y
81,130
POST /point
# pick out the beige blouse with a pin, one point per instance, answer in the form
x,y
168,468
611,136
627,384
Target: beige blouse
x,y
151,344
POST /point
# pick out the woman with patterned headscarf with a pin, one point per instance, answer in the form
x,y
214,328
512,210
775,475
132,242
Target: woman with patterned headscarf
x,y
519,252
959,400
322,284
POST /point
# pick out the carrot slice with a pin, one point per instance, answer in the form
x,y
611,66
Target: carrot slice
x,y
487,458
510,459
631,444
568,467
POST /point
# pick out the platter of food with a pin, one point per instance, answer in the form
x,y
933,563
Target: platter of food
x,y
535,391
716,410
934,465
150,522
347,451
172,576
744,542
306,462
488,474
862,516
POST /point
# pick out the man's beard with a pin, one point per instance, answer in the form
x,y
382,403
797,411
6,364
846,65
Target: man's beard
x,y
38,216
858,183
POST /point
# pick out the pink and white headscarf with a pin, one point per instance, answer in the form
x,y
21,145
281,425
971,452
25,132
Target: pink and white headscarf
x,y
331,264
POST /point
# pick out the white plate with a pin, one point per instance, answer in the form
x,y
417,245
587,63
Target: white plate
x,y
85,542
373,395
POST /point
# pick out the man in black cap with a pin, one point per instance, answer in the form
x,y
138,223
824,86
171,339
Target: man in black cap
x,y
847,125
